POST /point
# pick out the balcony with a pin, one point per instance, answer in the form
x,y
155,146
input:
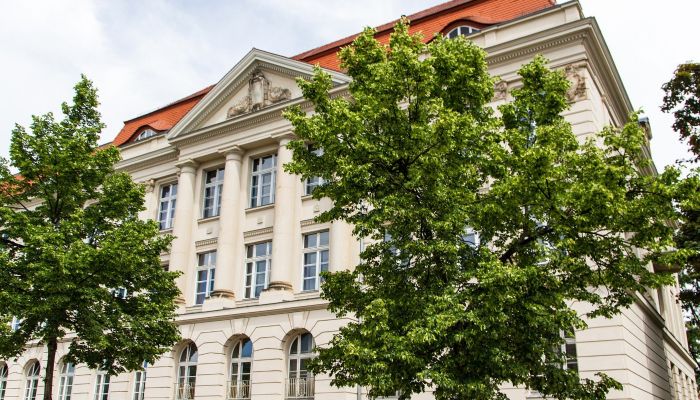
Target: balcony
x,y
184,391
238,390
299,388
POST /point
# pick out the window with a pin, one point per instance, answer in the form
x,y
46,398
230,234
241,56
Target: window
x,y
315,259
187,373
102,385
262,183
257,268
3,380
213,182
145,134
15,324
32,383
471,237
140,382
206,267
311,183
463,30
166,211
568,349
300,383
241,361
65,383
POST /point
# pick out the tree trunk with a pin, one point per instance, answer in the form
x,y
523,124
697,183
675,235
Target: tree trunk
x,y
52,345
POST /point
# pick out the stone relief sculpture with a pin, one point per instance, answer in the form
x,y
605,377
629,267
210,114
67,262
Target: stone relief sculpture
x,y
500,90
260,95
577,90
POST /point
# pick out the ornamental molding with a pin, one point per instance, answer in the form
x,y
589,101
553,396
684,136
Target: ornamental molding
x,y
206,242
261,94
257,232
147,160
578,89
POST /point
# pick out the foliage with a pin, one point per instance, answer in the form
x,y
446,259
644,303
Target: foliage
x,y
682,97
413,158
72,243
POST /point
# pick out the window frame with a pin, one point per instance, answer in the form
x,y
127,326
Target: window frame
x,y
4,374
216,186
318,250
312,183
145,134
240,388
295,378
65,382
255,191
190,353
209,268
31,382
102,382
250,277
457,30
170,202
140,376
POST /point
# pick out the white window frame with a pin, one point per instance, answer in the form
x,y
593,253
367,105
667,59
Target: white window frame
x,y
65,382
140,382
295,379
313,182
251,278
239,388
256,191
102,380
4,372
470,233
31,387
214,187
166,206
464,30
566,350
145,134
186,375
318,249
206,263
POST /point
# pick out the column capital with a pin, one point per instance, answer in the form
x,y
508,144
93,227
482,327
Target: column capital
x,y
284,138
232,153
187,166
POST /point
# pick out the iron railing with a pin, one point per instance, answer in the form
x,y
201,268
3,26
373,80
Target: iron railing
x,y
238,390
184,391
300,388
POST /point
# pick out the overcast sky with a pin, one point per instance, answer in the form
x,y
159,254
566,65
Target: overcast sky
x,y
143,54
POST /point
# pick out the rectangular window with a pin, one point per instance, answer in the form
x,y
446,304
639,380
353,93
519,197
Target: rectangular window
x,y
140,383
315,181
166,211
213,183
206,267
257,268
102,386
262,182
315,259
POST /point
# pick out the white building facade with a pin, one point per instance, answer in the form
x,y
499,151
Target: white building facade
x,y
250,250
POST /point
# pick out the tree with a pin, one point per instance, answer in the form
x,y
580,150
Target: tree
x,y
76,262
415,159
682,97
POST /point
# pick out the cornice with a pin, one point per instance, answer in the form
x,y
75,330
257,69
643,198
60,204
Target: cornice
x,y
243,310
257,232
148,159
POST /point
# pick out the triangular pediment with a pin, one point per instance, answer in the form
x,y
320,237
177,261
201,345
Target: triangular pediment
x,y
259,81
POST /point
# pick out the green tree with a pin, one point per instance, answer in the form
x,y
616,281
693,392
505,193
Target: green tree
x,y
76,263
414,158
682,98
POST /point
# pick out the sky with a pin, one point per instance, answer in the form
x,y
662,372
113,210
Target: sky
x,y
143,54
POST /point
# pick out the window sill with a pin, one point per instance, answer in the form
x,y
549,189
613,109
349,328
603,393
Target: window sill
x,y
166,231
207,219
259,208
308,294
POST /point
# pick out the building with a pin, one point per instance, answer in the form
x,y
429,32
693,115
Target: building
x,y
212,165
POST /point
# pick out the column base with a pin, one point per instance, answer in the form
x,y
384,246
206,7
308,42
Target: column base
x,y
219,299
276,292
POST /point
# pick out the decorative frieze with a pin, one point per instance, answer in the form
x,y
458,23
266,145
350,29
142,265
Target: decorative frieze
x,y
260,95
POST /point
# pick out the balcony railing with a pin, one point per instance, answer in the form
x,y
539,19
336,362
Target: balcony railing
x,y
184,391
300,388
238,390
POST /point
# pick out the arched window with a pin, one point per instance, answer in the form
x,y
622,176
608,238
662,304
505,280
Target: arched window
x,y
241,362
145,134
140,382
463,30
65,383
187,373
3,380
32,383
300,383
102,385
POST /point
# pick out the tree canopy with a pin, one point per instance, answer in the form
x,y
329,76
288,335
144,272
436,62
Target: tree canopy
x,y
682,98
77,264
489,235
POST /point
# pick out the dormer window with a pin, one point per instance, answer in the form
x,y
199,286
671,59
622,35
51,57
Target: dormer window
x,y
145,134
464,30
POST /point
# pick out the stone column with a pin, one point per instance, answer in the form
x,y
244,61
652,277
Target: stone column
x,y
342,246
227,254
180,259
283,240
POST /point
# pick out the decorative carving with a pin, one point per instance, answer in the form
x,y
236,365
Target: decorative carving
x,y
260,95
577,90
500,90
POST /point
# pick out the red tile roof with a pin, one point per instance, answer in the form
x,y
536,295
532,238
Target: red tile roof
x,y
429,22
